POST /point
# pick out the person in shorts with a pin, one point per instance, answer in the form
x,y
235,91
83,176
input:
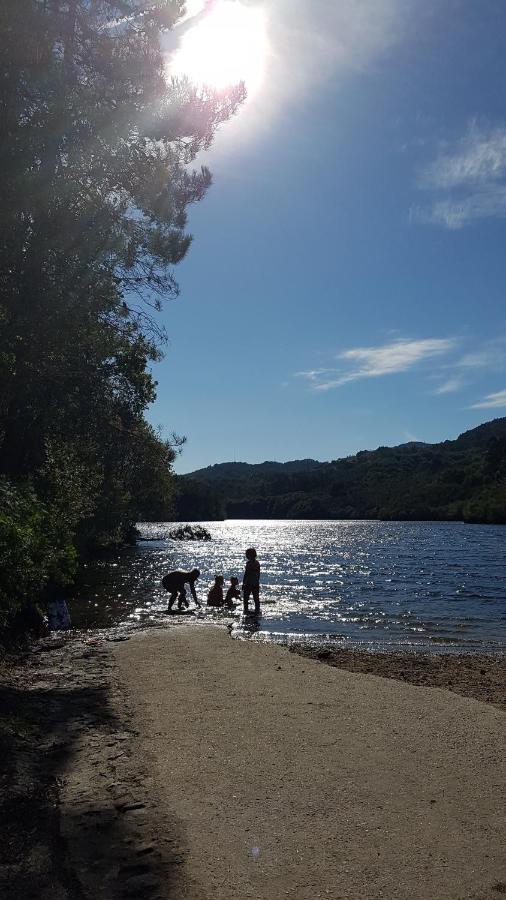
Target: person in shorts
x,y
174,583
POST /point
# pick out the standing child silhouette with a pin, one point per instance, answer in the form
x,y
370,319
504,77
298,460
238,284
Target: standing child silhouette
x,y
251,581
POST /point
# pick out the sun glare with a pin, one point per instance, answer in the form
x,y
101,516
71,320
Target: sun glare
x,y
227,46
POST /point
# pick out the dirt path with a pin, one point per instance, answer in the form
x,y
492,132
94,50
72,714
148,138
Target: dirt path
x,y
75,819
272,776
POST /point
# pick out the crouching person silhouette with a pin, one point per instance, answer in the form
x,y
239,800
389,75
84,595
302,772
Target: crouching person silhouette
x,y
174,583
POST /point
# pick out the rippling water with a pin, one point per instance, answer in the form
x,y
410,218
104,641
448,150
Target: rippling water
x,y
387,585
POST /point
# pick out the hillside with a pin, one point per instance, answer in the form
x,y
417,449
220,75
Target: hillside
x,y
236,471
453,480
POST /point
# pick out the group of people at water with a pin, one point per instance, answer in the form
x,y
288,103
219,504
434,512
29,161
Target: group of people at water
x,y
175,583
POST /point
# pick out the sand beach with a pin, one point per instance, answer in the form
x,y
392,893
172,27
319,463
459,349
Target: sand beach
x,y
190,765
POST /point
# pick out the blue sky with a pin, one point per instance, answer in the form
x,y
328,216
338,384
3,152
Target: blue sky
x,y
345,286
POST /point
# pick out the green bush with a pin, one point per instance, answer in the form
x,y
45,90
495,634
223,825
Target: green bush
x,y
33,550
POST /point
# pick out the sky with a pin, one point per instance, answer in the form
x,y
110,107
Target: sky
x,y
345,286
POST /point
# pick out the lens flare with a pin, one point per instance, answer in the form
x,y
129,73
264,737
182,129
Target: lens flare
x,y
226,46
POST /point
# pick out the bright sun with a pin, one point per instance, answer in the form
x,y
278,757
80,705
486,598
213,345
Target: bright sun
x,y
227,46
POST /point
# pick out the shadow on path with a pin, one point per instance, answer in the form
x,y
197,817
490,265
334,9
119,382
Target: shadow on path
x,y
75,818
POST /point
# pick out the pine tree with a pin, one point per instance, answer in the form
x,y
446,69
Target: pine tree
x,y
96,150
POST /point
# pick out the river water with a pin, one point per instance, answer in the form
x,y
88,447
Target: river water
x,y
376,585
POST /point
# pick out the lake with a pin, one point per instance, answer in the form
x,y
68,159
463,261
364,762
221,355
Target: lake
x,y
376,585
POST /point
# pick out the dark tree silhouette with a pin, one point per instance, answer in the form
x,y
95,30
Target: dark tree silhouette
x,y
96,149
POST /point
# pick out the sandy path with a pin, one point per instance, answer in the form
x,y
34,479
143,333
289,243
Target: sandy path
x,y
350,786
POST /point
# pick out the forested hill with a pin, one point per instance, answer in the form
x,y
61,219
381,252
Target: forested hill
x,y
454,480
236,471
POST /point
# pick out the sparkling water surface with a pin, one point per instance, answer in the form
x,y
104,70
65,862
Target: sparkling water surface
x,y
378,585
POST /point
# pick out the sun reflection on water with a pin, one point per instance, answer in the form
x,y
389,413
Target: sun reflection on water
x,y
383,583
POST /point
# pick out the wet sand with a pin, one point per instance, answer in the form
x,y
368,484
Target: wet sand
x,y
288,778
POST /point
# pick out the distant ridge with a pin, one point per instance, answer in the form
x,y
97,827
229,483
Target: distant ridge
x,y
482,434
238,469
475,437
460,479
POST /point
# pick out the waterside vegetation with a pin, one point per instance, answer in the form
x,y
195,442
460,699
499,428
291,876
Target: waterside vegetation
x,y
96,149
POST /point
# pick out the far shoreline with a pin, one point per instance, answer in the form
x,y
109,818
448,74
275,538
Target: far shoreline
x,y
190,521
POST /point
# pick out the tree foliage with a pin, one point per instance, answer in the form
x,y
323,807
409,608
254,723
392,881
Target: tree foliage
x,y
96,149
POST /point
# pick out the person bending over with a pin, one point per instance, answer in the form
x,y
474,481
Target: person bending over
x,y
174,583
251,581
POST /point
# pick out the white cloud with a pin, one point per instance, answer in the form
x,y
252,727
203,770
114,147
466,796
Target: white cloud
x,y
375,362
479,159
313,374
454,214
490,356
491,401
448,371
468,183
397,356
460,372
450,386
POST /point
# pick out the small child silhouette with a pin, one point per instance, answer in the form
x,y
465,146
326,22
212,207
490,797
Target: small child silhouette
x,y
215,595
233,592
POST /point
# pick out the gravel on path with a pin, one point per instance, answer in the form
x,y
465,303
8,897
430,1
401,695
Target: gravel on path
x,y
278,777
